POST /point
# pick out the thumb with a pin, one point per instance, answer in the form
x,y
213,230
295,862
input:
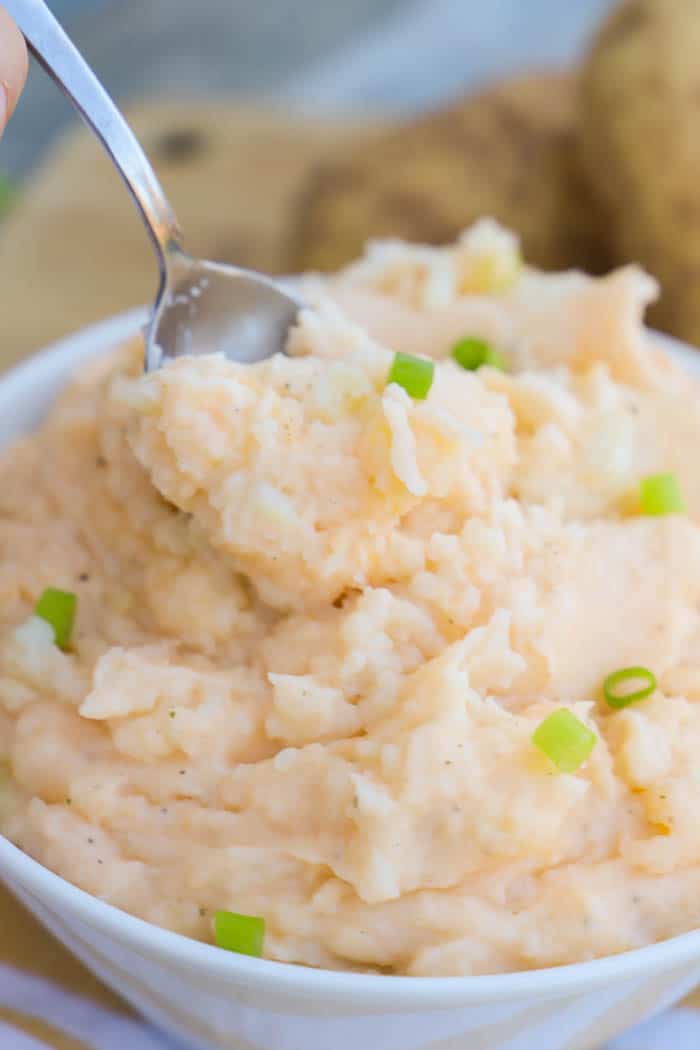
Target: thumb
x,y
13,66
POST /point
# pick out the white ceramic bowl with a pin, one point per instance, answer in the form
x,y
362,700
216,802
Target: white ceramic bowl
x,y
229,1002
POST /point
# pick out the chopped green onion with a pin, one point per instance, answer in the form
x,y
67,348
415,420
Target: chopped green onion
x,y
414,374
239,933
8,195
58,609
661,494
565,740
621,697
471,353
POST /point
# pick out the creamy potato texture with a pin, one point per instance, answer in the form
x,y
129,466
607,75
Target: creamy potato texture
x,y
319,621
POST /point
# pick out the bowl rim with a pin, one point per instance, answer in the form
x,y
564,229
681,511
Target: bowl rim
x,y
50,368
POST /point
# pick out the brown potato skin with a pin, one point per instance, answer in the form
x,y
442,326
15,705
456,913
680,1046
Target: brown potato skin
x,y
509,152
640,137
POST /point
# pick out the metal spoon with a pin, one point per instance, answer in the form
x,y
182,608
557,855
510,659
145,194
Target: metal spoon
x,y
201,307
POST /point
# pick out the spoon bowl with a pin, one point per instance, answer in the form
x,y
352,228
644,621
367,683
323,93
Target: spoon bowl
x,y
201,307
205,307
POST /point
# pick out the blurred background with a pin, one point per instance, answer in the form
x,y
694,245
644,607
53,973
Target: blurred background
x,y
398,56
287,132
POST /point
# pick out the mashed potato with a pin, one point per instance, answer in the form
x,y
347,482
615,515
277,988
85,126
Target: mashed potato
x,y
319,622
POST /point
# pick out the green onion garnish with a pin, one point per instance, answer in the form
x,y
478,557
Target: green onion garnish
x,y
8,195
58,609
414,374
620,697
565,740
239,933
661,494
471,353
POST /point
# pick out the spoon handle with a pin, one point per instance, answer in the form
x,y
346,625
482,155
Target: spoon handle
x,y
68,69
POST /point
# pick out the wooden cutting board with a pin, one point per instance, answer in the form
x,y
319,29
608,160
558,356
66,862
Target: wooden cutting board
x,y
73,250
